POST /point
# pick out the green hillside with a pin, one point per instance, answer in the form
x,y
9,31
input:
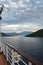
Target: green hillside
x,y
3,34
38,33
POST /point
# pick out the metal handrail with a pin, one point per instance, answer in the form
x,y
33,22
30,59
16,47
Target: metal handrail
x,y
29,59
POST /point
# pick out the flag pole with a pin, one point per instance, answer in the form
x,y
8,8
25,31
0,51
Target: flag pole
x,y
1,9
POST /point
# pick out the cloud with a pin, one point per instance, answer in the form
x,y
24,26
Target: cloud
x,y
23,11
21,7
19,28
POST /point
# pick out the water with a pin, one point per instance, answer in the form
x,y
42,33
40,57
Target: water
x,y
27,45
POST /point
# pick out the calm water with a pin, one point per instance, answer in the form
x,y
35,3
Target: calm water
x,y
28,46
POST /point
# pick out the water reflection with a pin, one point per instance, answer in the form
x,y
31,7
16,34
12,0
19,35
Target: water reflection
x,y
28,46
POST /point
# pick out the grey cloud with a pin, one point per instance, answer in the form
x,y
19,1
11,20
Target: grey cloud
x,y
23,12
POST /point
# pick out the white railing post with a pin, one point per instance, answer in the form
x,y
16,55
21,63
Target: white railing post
x,y
4,49
1,46
6,52
12,57
29,63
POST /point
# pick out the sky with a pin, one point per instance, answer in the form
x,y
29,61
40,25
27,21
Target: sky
x,y
22,15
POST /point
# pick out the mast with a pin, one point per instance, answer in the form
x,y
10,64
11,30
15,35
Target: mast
x,y
1,9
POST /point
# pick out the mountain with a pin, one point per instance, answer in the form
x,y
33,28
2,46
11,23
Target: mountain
x,y
16,34
3,34
25,33
38,33
9,34
12,34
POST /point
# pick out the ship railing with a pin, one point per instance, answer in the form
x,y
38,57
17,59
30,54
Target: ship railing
x,y
14,57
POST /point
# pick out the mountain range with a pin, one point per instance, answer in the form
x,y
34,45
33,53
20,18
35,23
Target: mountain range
x,y
16,34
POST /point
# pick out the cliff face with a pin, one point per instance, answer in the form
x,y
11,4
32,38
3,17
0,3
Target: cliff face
x,y
38,33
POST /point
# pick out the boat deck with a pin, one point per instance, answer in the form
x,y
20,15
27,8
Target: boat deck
x,y
3,60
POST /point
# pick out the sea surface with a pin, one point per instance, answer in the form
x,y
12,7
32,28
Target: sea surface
x,y
27,45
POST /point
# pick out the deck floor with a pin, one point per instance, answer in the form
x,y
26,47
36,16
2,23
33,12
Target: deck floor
x,y
2,60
